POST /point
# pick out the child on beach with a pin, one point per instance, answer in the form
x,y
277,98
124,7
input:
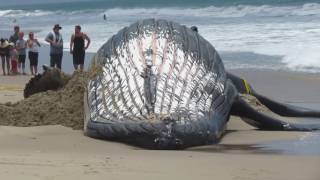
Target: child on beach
x,y
21,48
33,45
14,60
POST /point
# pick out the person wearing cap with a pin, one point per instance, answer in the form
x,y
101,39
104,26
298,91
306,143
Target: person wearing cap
x,y
5,55
78,47
14,37
21,46
56,46
33,45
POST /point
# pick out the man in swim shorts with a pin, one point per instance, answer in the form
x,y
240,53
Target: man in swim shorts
x,y
78,47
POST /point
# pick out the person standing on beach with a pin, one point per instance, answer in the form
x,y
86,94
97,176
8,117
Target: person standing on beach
x,y
15,36
21,46
78,47
33,45
5,55
56,46
14,59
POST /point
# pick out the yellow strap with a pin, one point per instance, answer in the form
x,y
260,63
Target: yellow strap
x,y
247,86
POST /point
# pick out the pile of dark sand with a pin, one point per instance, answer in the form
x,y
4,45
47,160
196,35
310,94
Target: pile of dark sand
x,y
61,107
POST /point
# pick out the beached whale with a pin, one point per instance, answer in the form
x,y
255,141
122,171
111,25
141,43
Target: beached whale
x,y
164,86
158,84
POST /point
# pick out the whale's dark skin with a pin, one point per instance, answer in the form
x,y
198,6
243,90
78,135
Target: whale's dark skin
x,y
163,86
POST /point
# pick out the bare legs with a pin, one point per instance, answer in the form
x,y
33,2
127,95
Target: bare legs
x,y
5,61
22,66
76,66
81,67
33,70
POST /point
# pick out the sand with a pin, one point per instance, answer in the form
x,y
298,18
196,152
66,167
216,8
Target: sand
x,y
60,152
62,107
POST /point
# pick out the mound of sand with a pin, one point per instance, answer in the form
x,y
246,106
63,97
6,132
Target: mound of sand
x,y
61,107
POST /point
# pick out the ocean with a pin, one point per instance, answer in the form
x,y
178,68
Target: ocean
x,y
273,34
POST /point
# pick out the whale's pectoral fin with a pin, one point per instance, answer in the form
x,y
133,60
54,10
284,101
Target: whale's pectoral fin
x,y
282,109
286,109
265,122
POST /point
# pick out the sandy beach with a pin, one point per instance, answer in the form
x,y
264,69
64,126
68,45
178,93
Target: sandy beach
x,y
58,152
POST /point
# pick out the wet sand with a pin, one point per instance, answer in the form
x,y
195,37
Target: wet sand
x,y
57,152
11,87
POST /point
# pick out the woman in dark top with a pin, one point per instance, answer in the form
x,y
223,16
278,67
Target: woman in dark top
x,y
5,55
78,47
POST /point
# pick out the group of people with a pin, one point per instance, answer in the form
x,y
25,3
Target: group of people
x,y
13,50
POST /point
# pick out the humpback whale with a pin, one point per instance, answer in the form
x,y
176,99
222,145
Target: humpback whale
x,y
163,86
160,85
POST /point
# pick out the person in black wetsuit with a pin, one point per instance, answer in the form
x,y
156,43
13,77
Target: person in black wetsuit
x,y
78,47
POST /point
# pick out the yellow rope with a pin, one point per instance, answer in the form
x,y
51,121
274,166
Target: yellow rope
x,y
247,86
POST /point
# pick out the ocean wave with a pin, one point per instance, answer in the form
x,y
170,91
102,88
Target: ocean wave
x,y
303,59
225,12
24,13
36,13
308,9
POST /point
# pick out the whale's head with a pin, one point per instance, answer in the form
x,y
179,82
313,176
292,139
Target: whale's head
x,y
157,75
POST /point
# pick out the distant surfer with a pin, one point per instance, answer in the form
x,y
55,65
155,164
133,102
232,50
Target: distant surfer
x,y
104,17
